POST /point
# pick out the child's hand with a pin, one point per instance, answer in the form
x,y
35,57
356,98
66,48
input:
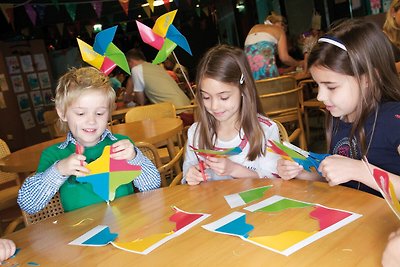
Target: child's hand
x,y
194,175
7,249
123,150
221,166
391,256
73,165
288,169
339,169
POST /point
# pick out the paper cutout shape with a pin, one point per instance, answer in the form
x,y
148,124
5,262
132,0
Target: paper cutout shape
x,y
385,186
184,221
244,197
98,236
309,160
107,174
286,242
217,153
163,36
104,55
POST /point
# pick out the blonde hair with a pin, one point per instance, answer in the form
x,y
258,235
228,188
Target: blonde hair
x,y
275,18
78,81
390,27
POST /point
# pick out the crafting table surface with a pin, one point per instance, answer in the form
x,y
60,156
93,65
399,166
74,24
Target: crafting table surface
x,y
359,243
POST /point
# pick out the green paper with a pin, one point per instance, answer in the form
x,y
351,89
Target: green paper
x,y
290,152
164,52
284,204
116,55
251,195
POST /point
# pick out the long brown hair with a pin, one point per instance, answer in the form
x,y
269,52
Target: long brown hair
x,y
227,64
369,55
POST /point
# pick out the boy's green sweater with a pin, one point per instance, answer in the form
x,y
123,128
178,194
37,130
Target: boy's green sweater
x,y
75,195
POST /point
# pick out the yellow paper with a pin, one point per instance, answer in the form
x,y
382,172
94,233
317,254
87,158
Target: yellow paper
x,y
162,23
102,164
141,245
89,55
283,240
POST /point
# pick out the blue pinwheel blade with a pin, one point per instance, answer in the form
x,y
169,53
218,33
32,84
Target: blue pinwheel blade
x,y
175,36
103,40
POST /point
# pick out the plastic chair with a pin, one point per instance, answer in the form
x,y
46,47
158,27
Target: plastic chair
x,y
166,170
285,107
276,84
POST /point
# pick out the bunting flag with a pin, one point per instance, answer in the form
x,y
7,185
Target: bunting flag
x,y
55,2
164,36
125,6
40,11
97,6
151,5
31,13
166,4
89,29
147,11
177,3
104,55
205,11
71,9
60,28
8,12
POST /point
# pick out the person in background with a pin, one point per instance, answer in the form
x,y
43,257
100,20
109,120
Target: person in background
x,y
391,255
169,68
354,67
7,249
391,28
262,44
230,115
84,100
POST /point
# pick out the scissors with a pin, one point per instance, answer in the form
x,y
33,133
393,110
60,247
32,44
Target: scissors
x,y
201,164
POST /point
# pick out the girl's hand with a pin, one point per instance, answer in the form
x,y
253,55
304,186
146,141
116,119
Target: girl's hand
x,y
73,165
194,175
123,150
7,249
221,166
339,169
391,256
288,169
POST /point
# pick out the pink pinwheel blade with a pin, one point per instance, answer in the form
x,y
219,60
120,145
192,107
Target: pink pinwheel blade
x,y
107,66
149,37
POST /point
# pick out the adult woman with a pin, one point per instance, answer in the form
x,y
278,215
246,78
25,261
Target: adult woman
x,y
392,29
261,45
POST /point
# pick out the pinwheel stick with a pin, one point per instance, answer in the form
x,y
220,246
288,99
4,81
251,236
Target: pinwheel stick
x,y
184,75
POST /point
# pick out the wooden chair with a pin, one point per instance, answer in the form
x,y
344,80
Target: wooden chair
x,y
53,208
276,84
153,111
285,107
9,185
283,135
166,170
51,121
177,180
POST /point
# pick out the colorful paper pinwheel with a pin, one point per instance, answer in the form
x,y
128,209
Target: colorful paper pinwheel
x,y
104,55
163,37
217,153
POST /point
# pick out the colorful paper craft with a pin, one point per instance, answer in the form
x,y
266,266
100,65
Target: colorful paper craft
x,y
107,174
217,153
386,187
308,160
286,242
98,236
184,221
163,36
244,197
104,55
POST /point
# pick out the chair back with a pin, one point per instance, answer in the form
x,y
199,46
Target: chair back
x,y
6,177
276,84
283,135
166,170
51,121
152,111
284,107
52,209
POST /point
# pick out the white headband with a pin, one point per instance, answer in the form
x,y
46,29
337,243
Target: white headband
x,y
330,40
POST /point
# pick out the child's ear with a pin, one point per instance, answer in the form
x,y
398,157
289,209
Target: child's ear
x,y
61,115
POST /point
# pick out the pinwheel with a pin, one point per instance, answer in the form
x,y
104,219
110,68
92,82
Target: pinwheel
x,y
104,55
164,36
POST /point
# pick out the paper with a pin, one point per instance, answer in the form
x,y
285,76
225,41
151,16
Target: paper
x,y
107,174
244,197
98,236
291,240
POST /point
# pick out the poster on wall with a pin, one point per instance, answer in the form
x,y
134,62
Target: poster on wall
x,y
23,102
37,99
3,83
33,81
48,97
13,65
27,120
2,102
17,83
40,62
39,115
26,63
44,79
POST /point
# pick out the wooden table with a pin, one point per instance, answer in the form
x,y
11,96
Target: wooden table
x,y
27,159
359,243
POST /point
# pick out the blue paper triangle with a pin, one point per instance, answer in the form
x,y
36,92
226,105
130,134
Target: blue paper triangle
x,y
103,40
237,227
175,36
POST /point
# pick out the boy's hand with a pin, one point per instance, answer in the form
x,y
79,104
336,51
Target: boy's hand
x,y
288,169
123,150
194,175
7,249
73,165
